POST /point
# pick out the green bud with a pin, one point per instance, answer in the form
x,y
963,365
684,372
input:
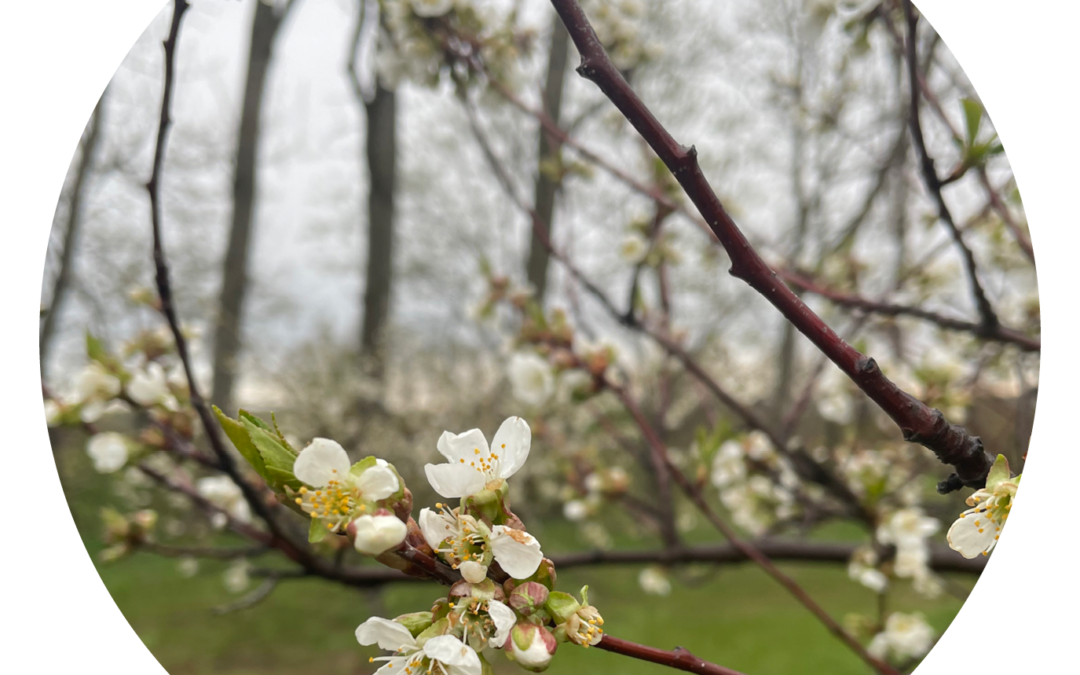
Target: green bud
x,y
528,598
561,606
417,622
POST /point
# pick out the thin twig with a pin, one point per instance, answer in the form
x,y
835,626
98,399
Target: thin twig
x,y
988,317
998,334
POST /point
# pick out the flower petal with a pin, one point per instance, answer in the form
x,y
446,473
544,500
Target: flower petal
x,y
377,534
454,481
435,527
504,619
456,447
512,442
517,552
378,482
971,539
451,651
389,635
320,462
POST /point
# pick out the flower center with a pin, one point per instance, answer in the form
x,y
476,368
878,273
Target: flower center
x,y
464,542
334,503
487,465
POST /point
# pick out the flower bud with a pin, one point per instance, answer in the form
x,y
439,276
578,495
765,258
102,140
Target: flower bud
x,y
377,534
472,571
583,628
532,646
528,597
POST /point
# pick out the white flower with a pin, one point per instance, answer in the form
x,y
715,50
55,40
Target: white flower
x,y
108,451
862,568
95,387
907,526
469,546
188,567
52,412
905,636
430,8
978,529
575,510
339,493
728,465
654,582
634,248
444,654
927,584
472,465
531,378
150,386
223,493
759,447
377,534
485,623
236,577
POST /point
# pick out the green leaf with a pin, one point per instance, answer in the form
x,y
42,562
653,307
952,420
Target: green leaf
x,y
973,112
238,434
95,350
317,532
277,458
245,415
281,436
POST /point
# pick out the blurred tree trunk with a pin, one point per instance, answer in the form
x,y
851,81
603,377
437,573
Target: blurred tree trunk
x,y
382,174
71,232
546,185
227,338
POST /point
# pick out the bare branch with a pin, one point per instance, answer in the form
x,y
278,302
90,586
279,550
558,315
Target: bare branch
x,y
918,422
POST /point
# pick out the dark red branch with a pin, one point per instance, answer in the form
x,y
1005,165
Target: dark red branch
x,y
999,333
679,658
918,422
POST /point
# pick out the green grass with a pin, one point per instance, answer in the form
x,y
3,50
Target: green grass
x,y
734,615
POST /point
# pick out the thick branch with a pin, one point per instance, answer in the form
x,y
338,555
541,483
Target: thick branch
x,y
918,422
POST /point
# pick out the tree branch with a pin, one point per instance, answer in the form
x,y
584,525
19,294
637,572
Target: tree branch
x,y
999,333
933,183
918,422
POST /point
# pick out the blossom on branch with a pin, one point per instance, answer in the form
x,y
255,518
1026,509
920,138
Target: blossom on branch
x,y
443,654
335,491
979,528
469,546
473,466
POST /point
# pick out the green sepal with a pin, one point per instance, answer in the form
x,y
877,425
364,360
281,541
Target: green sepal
x,y
585,595
440,627
999,472
416,622
238,434
561,606
317,531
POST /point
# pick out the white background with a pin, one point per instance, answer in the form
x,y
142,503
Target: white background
x,y
56,57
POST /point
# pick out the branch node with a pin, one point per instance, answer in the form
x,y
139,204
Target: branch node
x,y
950,484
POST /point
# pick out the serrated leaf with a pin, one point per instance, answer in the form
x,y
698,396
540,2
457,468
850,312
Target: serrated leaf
x,y
277,459
282,478
238,434
317,531
281,436
245,415
973,112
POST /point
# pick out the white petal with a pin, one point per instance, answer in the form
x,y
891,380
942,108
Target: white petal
x,y
504,619
320,462
472,571
456,447
435,527
517,552
378,534
512,442
970,539
148,387
454,481
451,651
108,451
91,412
377,483
389,635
